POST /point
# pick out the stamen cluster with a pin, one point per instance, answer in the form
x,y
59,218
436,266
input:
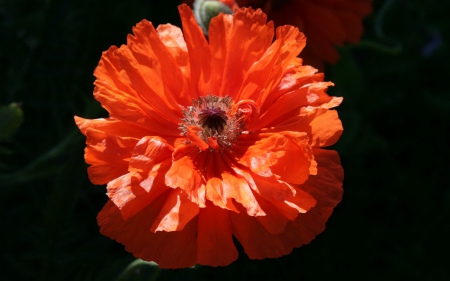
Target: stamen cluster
x,y
217,118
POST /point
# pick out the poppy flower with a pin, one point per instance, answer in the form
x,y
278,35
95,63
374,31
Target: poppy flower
x,y
207,141
326,23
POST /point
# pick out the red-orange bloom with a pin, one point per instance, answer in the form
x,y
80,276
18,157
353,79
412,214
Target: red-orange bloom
x,y
326,23
210,140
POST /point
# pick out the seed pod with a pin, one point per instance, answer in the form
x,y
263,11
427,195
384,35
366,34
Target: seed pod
x,y
205,10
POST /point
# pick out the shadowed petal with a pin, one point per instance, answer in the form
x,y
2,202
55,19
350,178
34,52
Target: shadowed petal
x,y
175,249
258,243
274,221
214,232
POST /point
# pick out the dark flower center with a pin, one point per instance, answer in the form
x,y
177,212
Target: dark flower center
x,y
213,119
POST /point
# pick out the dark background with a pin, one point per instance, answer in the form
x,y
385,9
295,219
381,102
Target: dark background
x,y
393,221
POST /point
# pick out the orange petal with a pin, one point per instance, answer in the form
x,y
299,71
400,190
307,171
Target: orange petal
x,y
246,41
185,174
215,247
113,127
172,37
295,76
323,126
267,187
273,155
145,182
254,85
113,89
235,186
149,151
293,102
267,73
217,190
176,212
219,33
301,202
294,166
274,221
326,188
271,188
119,190
317,96
168,85
250,112
199,53
145,188
108,159
287,104
142,69
175,249
215,194
238,189
263,154
278,213
121,134
258,243
107,154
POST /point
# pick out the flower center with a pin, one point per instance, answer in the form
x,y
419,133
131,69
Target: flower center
x,y
213,119
214,122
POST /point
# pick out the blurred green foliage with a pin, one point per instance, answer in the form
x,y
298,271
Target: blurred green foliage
x,y
391,225
11,117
